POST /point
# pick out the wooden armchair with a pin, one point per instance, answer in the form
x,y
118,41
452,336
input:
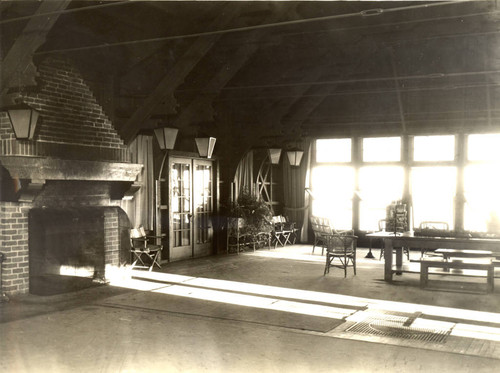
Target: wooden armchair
x,y
341,251
322,229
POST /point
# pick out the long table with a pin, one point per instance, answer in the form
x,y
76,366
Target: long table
x,y
396,242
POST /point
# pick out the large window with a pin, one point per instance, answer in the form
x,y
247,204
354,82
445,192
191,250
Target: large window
x,y
333,150
333,189
434,148
378,172
379,186
433,194
482,183
382,149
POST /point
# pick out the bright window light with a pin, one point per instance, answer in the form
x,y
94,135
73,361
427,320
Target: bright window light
x,y
482,207
333,150
433,193
382,149
484,147
434,148
379,185
333,188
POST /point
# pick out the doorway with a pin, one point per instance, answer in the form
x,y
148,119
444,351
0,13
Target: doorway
x,y
191,207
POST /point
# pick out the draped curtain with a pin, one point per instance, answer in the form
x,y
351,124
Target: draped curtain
x,y
295,181
243,178
140,209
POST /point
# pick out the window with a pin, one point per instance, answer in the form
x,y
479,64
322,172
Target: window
x,y
382,149
481,186
333,187
434,148
379,186
484,147
433,193
482,183
333,150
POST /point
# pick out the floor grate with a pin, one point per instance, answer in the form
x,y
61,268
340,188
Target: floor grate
x,y
387,328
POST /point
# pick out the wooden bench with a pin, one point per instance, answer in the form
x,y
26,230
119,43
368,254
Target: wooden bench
x,y
484,265
454,253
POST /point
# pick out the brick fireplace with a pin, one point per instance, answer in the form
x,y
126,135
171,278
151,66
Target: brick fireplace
x,y
60,195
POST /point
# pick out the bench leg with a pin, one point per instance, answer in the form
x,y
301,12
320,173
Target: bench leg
x,y
491,279
424,275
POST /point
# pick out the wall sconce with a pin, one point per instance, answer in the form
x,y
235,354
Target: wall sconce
x,y
274,155
166,137
23,119
205,146
295,157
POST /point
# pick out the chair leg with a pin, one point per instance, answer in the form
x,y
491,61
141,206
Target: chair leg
x,y
327,266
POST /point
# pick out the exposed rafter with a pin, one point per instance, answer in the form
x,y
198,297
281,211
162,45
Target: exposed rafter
x,y
17,66
174,77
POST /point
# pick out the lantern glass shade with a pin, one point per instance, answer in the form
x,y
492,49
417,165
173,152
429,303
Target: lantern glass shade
x,y
205,146
23,120
166,137
295,157
274,155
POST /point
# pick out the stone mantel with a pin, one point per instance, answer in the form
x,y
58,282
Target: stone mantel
x,y
41,169
36,171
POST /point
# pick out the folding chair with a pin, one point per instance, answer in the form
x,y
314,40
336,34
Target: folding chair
x,y
146,255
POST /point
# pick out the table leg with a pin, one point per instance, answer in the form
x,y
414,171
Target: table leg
x,y
387,259
370,255
399,258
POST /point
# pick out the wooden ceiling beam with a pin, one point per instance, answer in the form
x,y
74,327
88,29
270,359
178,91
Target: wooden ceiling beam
x,y
204,103
18,63
176,75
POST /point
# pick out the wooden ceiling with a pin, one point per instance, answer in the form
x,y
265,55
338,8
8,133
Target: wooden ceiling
x,y
265,70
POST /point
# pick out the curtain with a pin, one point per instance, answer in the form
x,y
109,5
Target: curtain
x,y
295,196
140,210
243,178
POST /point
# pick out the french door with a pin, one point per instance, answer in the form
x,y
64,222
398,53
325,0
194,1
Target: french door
x,y
191,193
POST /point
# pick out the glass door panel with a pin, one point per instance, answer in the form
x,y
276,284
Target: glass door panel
x,y
181,209
203,207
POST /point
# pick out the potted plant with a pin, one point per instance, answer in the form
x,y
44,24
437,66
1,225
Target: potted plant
x,y
254,218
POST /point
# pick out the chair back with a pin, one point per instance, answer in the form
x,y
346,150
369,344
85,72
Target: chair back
x,y
138,238
435,225
321,226
382,223
341,244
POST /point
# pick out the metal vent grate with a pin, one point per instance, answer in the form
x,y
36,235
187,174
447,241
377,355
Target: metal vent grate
x,y
394,329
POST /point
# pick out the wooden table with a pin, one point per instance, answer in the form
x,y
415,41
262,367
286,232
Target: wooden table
x,y
396,243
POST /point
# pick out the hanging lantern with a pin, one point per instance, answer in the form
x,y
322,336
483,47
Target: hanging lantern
x,y
205,146
23,119
295,157
274,155
166,137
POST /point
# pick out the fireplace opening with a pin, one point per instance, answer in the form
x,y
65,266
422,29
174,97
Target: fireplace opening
x,y
72,248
